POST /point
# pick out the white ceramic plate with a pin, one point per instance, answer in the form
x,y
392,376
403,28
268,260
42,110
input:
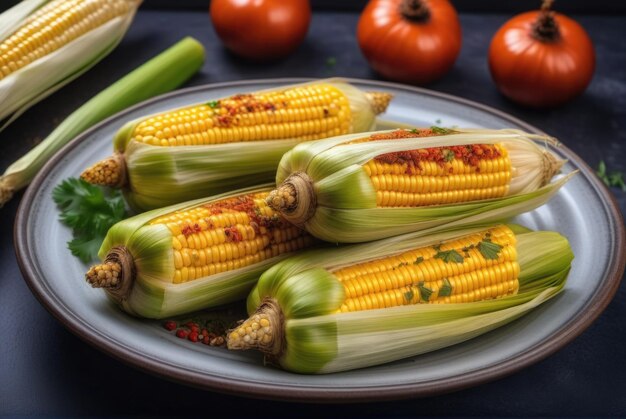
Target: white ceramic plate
x,y
583,211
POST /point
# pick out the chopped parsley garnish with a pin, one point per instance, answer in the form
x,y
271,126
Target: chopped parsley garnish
x,y
425,292
418,260
446,288
449,256
615,179
489,249
448,155
440,130
409,295
214,104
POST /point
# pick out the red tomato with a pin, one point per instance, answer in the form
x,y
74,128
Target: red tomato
x,y
261,29
411,41
541,59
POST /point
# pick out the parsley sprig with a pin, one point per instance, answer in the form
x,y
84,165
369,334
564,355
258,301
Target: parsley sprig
x,y
614,178
90,211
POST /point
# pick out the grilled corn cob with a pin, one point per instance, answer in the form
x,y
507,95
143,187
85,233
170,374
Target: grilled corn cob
x,y
337,309
43,47
193,255
199,150
363,187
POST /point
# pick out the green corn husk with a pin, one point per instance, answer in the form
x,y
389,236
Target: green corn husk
x,y
334,199
145,254
161,74
42,77
155,176
301,296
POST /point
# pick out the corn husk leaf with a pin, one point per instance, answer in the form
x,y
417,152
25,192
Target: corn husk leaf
x,y
34,82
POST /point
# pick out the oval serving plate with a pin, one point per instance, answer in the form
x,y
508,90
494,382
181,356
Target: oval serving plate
x,y
56,277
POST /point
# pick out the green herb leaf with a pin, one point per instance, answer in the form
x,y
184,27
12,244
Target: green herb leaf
x,y
489,249
418,260
214,104
409,295
446,288
90,212
449,256
440,130
617,179
601,172
425,292
448,155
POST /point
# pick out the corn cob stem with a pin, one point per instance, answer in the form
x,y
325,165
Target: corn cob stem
x,y
294,198
109,172
262,331
379,101
115,275
551,166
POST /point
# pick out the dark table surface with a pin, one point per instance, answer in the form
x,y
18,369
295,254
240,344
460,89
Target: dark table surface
x,y
45,370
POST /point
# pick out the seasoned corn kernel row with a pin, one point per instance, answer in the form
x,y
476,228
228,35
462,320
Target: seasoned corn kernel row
x,y
228,235
440,175
478,267
303,112
54,26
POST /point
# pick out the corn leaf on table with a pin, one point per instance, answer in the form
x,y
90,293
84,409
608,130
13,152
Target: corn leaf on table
x,y
51,371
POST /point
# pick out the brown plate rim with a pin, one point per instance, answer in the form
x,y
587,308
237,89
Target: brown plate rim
x,y
574,327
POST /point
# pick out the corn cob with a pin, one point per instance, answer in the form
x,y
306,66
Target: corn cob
x,y
337,309
55,43
197,151
194,255
363,187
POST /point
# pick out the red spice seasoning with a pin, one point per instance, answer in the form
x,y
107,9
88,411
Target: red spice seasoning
x,y
228,109
469,154
190,229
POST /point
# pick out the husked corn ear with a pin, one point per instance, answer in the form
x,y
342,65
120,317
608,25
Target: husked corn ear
x,y
53,26
222,236
199,150
357,188
347,307
454,272
304,112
